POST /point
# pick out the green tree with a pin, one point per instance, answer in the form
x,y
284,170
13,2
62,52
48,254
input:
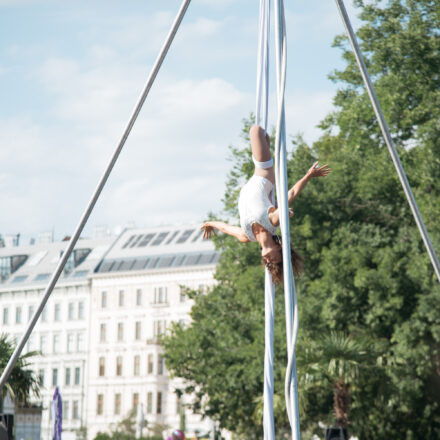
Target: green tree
x,y
221,353
125,429
22,383
125,426
375,271
366,269
340,363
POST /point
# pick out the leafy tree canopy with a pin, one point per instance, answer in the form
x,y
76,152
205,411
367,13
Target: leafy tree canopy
x,y
367,273
22,383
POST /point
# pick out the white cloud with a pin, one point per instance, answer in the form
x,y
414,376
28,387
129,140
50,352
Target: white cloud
x,y
201,27
193,99
216,3
177,149
305,110
174,165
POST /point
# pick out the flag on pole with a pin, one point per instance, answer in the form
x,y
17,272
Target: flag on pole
x,y
57,406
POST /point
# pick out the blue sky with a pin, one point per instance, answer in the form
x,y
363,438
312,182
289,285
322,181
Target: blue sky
x,y
71,72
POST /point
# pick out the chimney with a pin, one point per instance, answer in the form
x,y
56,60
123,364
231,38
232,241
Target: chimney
x,y
10,240
45,237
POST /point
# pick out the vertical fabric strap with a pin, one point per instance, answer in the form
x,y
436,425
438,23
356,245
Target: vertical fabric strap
x,y
269,309
261,118
291,307
261,111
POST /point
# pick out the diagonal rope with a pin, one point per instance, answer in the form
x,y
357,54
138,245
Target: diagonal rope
x,y
54,278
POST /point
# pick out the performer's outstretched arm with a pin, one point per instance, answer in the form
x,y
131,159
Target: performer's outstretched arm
x,y
235,231
314,171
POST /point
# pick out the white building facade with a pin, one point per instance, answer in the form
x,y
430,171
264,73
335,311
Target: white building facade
x,y
99,332
62,332
136,293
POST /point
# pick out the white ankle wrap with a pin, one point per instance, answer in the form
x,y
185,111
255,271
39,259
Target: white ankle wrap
x,y
263,165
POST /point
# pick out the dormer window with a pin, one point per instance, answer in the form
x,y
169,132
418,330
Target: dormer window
x,y
8,265
75,259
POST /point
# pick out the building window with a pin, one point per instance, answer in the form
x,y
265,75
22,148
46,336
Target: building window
x,y
159,327
117,403
120,331
139,297
80,342
100,404
5,316
121,300
71,311
137,330
102,333
119,366
159,403
56,343
135,401
160,364
57,312
75,415
103,299
182,295
137,365
30,344
43,344
80,310
149,402
101,372
67,377
44,315
41,377
18,315
54,377
77,375
66,409
150,364
160,295
30,312
70,342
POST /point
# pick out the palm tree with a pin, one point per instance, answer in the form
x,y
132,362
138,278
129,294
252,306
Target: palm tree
x,y
22,383
337,360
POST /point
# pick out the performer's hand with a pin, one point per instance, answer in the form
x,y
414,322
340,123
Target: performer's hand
x,y
208,230
317,171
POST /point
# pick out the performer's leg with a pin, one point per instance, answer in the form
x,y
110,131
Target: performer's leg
x,y
260,143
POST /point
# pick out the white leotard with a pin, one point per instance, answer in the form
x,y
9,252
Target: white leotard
x,y
254,204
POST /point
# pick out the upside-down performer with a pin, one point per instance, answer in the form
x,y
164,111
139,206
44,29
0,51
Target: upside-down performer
x,y
259,219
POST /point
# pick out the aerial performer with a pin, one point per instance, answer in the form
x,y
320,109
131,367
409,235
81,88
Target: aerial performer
x,y
259,218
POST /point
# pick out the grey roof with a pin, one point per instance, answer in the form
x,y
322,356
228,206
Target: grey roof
x,y
159,248
40,261
133,250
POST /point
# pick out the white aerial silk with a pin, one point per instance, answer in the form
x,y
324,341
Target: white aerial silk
x,y
261,116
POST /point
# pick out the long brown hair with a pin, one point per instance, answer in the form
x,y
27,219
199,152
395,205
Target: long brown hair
x,y
276,269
